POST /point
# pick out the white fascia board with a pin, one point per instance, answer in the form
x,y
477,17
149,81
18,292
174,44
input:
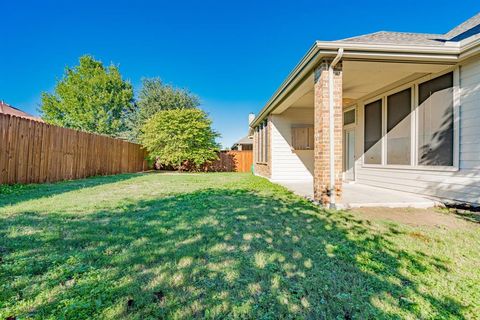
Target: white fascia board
x,y
470,47
359,46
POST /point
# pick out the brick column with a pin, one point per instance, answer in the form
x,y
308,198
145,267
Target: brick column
x,y
321,178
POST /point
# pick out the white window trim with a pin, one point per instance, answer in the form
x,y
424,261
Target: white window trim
x,y
414,124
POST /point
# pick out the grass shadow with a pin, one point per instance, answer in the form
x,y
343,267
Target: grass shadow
x,y
11,195
212,253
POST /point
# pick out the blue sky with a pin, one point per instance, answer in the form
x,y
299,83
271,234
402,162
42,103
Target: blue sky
x,y
232,54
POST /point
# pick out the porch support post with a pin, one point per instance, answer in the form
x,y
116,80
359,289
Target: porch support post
x,y
321,177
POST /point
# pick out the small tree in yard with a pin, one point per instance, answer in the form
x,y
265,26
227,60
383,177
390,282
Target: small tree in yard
x,y
90,97
156,96
181,138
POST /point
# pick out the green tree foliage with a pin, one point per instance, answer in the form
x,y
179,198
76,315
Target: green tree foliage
x,y
89,97
182,138
156,96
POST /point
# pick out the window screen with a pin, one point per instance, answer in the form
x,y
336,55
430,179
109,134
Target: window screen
x,y
261,143
399,106
349,117
265,144
373,133
435,121
257,145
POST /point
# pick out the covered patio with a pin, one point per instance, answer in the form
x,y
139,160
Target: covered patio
x,y
361,195
323,120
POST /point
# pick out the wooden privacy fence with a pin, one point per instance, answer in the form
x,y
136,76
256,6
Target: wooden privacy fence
x,y
35,152
232,161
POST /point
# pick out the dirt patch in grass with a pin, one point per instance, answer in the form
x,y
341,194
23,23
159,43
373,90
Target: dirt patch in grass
x,y
432,217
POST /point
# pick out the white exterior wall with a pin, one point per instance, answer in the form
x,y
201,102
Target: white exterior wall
x,y
462,184
289,165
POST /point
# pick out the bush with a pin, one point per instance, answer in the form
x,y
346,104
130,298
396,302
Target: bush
x,y
180,138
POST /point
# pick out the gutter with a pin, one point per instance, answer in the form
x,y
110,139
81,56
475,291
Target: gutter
x,y
331,127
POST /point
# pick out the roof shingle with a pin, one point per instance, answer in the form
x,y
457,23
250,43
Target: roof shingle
x,y
387,37
467,29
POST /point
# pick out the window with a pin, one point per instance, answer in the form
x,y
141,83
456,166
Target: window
x,y
399,106
391,131
435,121
261,139
302,137
255,141
265,143
349,117
373,133
258,144
262,142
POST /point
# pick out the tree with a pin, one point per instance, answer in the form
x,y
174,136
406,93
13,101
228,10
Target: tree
x,y
182,138
156,96
89,97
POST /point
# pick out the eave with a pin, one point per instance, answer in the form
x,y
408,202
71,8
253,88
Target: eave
x,y
448,54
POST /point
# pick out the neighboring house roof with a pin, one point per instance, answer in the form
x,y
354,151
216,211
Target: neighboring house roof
x,y
458,44
245,140
8,109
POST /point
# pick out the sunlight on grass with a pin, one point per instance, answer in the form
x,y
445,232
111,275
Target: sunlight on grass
x,y
221,246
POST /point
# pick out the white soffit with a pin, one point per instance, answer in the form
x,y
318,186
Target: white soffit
x,y
361,78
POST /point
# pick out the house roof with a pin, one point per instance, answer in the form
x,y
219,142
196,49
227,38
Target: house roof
x,y
244,140
466,28
460,32
458,44
8,109
387,37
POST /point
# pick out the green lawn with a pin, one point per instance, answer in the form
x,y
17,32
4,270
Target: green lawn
x,y
221,245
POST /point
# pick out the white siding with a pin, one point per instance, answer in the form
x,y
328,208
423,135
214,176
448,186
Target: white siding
x,y
461,185
289,165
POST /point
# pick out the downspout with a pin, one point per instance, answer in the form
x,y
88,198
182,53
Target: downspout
x,y
331,127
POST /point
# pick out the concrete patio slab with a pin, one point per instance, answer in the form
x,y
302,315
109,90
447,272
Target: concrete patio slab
x,y
357,195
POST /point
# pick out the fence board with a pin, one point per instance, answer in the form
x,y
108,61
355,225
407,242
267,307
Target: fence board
x,y
3,150
35,152
13,148
232,161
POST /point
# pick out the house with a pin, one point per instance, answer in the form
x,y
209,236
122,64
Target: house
x,y
246,143
8,109
390,110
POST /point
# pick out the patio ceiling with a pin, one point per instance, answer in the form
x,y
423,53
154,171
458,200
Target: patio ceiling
x,y
361,78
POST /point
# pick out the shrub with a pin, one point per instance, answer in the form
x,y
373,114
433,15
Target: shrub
x,y
180,138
